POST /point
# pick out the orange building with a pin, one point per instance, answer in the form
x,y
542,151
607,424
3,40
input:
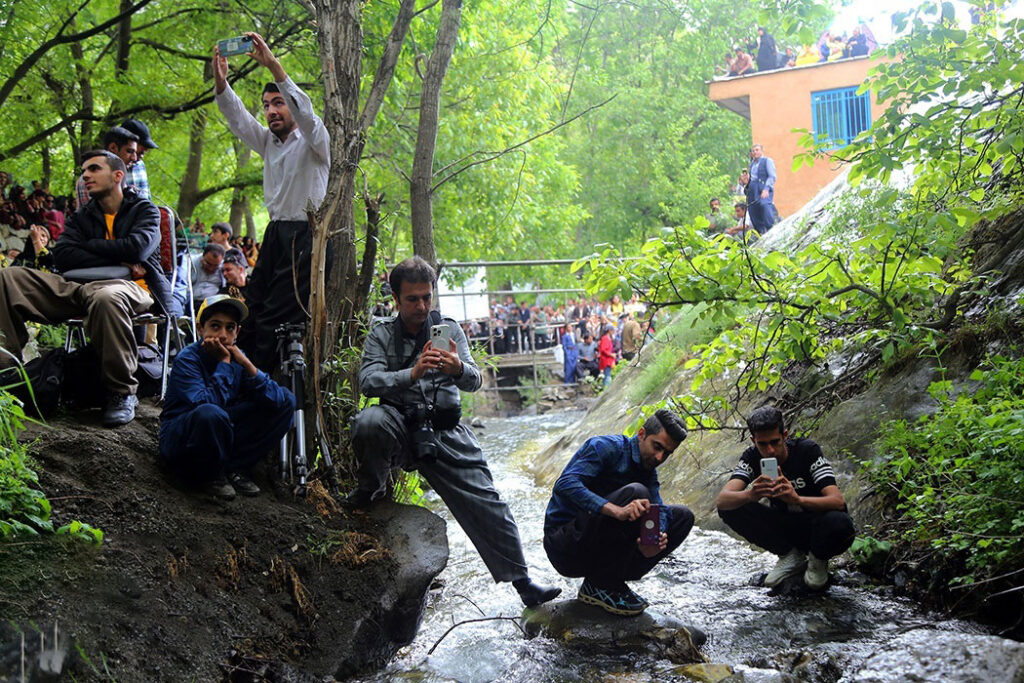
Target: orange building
x,y
817,97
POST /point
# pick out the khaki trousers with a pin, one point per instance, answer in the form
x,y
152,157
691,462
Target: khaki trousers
x,y
106,306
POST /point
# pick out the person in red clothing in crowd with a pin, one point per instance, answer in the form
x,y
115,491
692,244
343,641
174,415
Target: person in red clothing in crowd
x,y
606,354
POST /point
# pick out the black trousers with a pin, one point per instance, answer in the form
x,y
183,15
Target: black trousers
x,y
604,550
278,289
826,534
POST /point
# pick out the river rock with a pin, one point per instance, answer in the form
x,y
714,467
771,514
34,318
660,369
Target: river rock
x,y
947,656
710,673
577,623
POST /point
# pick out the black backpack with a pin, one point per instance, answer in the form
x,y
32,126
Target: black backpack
x,y
45,375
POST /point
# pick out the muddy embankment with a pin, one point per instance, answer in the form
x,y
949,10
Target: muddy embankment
x,y
188,588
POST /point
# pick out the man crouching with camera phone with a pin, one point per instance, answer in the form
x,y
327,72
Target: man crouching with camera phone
x,y
417,425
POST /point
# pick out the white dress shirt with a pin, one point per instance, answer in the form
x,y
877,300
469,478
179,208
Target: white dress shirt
x,y
294,170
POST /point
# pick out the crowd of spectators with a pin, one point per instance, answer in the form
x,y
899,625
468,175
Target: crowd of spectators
x,y
594,334
764,54
31,219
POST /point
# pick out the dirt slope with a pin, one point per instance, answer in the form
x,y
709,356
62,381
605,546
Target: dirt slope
x,y
188,588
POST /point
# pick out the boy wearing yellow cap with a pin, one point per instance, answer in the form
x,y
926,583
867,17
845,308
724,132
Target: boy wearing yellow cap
x,y
221,414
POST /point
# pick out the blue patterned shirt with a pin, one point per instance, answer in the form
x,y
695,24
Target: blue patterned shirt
x,y
138,179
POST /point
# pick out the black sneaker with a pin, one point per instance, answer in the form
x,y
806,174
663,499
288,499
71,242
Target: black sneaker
x,y
119,410
357,499
243,484
624,603
220,488
533,594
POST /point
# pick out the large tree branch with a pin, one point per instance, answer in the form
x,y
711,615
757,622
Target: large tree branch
x,y
173,50
238,184
200,100
494,155
60,39
386,67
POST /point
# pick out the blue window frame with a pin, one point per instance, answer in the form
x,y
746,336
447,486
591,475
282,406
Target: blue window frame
x,y
837,116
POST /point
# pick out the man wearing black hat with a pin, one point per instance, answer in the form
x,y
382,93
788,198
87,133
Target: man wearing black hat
x,y
296,151
137,177
221,414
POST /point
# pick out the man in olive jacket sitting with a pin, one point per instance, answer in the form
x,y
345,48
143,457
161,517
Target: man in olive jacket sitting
x,y
116,228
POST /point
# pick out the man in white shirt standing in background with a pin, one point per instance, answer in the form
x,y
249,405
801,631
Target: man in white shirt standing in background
x,y
295,147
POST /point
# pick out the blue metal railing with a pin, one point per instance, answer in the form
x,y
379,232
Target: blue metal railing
x,y
837,116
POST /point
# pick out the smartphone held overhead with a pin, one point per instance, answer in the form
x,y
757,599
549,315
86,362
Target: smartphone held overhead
x,y
230,47
650,526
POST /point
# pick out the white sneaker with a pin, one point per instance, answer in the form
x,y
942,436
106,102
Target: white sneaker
x,y
816,575
789,564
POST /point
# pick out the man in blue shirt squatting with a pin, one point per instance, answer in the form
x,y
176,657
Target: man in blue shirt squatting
x,y
592,527
221,414
806,522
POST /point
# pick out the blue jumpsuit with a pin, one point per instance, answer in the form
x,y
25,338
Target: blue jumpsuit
x,y
216,419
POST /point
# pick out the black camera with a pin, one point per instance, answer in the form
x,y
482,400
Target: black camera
x,y
419,419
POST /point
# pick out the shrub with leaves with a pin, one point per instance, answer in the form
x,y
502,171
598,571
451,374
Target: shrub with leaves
x,y
24,510
957,476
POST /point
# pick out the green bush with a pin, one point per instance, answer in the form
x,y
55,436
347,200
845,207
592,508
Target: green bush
x,y
24,509
957,476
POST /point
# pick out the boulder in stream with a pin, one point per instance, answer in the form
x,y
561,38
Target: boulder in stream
x,y
948,656
576,623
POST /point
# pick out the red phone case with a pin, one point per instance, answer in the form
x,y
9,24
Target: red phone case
x,y
650,526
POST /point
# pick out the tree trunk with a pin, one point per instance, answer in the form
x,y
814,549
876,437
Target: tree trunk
x,y
420,194
335,320
45,154
188,193
239,201
85,84
124,41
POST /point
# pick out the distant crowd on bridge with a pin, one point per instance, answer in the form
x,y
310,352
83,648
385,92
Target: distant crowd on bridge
x,y
593,335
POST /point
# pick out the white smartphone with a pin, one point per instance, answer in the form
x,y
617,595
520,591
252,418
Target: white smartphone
x,y
440,336
770,468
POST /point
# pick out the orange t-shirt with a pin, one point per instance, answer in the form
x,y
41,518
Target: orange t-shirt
x,y
109,217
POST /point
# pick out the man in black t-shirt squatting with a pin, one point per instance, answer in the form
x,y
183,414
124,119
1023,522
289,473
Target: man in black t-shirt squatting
x,y
805,522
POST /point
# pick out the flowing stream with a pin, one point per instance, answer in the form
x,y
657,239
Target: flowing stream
x,y
859,634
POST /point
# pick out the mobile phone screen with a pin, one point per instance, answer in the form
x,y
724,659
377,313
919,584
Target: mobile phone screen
x,y
234,46
650,526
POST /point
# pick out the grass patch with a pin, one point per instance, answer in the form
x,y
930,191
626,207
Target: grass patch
x,y
670,347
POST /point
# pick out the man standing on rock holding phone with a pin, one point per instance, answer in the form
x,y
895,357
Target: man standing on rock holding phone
x,y
806,522
416,363
606,521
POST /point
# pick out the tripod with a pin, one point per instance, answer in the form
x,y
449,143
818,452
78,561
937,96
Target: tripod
x,y
292,463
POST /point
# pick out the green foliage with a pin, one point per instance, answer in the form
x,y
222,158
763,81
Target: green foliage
x,y
872,286
51,336
870,553
409,489
82,532
956,476
664,355
24,510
